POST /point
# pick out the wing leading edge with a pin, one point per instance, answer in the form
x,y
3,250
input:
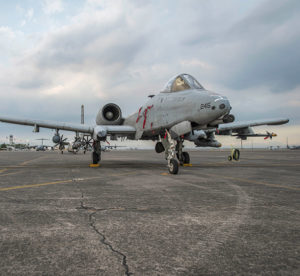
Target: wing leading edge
x,y
235,127
115,129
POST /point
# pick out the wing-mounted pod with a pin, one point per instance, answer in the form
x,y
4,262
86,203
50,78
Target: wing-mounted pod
x,y
203,139
110,114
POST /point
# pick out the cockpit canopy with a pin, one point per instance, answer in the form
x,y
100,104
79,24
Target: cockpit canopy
x,y
180,83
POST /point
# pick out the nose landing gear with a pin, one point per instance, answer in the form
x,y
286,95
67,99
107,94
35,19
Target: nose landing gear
x,y
173,148
169,146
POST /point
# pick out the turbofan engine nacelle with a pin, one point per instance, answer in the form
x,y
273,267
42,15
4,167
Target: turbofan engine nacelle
x,y
110,114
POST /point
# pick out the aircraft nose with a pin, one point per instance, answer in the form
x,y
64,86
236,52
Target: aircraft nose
x,y
223,104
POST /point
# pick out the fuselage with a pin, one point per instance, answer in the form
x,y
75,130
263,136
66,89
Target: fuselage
x,y
198,106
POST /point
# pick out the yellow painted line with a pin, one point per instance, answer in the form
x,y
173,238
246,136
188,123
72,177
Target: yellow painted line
x,y
29,161
61,182
11,173
164,174
187,165
22,164
2,171
35,185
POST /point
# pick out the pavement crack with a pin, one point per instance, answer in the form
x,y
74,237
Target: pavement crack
x,y
103,239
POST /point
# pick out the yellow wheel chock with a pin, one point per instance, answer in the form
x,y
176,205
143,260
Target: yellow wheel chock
x,y
234,155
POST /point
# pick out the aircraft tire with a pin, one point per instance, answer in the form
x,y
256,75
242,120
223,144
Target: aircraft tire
x,y
236,155
96,158
229,158
186,158
173,168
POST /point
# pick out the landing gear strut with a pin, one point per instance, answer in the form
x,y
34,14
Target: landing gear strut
x,y
173,148
96,154
170,153
182,156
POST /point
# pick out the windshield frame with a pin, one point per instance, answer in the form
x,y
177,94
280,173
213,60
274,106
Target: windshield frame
x,y
188,80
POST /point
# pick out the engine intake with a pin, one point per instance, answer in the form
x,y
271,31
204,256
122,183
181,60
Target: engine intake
x,y
110,114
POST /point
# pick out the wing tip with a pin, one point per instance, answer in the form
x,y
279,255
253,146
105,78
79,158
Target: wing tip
x,y
280,122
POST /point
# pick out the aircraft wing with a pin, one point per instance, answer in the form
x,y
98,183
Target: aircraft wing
x,y
245,127
110,129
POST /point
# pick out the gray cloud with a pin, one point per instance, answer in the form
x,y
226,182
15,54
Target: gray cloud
x,y
124,51
259,49
276,67
263,48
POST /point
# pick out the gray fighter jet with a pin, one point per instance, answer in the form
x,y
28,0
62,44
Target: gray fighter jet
x,y
183,110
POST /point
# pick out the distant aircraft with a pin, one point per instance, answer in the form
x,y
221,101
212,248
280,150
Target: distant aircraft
x,y
294,148
82,142
10,148
42,147
183,110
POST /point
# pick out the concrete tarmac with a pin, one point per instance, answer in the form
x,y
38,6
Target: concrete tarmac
x,y
58,216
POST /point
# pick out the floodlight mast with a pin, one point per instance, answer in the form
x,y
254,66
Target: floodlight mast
x,y
42,139
82,114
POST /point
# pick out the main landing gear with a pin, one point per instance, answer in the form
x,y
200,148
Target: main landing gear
x,y
173,148
182,156
96,153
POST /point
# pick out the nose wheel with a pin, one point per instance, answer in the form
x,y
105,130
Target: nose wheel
x,y
184,158
173,166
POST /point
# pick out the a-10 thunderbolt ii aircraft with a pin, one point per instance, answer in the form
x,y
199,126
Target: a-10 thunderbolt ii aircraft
x,y
183,110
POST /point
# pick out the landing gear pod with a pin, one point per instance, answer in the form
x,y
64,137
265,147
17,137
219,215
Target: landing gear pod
x,y
159,148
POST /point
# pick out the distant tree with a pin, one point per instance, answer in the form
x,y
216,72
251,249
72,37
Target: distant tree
x,y
3,146
20,146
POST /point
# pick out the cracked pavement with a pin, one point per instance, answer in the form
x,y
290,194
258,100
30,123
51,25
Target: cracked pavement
x,y
103,238
128,217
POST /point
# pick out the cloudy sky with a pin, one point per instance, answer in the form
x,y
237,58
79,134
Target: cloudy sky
x,y
58,54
